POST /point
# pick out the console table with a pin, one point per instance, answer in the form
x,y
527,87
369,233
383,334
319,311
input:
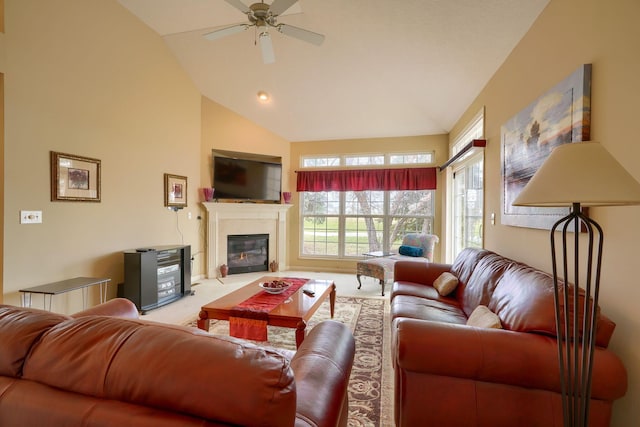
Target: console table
x,y
55,288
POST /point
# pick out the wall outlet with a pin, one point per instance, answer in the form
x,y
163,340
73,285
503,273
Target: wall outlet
x,y
30,217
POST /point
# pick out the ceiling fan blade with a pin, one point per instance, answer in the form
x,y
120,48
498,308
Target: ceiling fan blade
x,y
302,34
280,6
268,56
239,5
218,34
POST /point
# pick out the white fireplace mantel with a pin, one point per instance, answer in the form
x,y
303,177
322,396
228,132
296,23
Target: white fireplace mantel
x,y
224,219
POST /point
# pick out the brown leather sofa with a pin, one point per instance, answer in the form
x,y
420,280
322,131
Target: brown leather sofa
x,y
451,374
94,369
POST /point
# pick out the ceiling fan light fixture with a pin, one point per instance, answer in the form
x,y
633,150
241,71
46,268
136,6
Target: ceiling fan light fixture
x,y
268,56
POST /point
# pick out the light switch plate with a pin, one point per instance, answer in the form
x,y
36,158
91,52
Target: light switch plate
x,y
30,217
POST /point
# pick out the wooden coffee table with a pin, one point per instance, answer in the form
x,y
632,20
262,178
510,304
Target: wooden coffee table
x,y
294,313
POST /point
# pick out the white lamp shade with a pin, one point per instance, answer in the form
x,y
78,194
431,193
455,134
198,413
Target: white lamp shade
x,y
580,172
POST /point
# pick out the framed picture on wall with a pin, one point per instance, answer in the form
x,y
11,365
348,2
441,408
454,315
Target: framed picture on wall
x,y
74,178
175,190
560,116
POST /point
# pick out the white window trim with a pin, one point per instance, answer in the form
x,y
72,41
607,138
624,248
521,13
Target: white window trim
x,y
467,134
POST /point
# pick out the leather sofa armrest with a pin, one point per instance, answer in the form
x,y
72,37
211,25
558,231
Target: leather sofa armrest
x,y
117,307
423,273
497,356
322,366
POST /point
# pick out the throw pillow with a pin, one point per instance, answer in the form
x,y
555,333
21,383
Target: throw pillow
x,y
445,283
482,317
410,250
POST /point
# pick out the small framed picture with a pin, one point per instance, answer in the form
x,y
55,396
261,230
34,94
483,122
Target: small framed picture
x,y
74,178
175,190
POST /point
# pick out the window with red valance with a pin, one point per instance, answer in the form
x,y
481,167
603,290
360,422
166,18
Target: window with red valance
x,y
367,179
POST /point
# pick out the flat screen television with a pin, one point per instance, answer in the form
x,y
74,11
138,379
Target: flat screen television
x,y
246,179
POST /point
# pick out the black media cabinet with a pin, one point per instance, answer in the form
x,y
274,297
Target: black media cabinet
x,y
156,276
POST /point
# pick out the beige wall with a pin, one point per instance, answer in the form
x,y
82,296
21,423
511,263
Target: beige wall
x,y
1,185
88,78
223,129
435,143
2,69
566,35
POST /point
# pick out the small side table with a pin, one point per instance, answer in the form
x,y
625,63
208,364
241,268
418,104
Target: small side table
x,y
55,288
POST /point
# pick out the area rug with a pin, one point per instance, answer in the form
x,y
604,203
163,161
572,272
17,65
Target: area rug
x,y
371,381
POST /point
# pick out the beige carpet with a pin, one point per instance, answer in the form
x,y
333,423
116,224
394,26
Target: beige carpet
x,y
371,382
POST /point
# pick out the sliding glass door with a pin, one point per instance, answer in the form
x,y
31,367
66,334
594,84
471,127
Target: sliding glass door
x,y
468,204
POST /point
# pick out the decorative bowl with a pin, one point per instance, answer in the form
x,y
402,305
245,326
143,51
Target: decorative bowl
x,y
275,286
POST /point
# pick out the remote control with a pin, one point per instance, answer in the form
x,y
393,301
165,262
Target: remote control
x,y
308,292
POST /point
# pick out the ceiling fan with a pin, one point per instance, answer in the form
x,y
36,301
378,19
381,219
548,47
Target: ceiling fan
x,y
263,16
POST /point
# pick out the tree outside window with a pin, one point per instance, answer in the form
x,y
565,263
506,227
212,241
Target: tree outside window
x,y
350,223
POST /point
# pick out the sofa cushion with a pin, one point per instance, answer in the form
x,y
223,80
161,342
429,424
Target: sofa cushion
x,y
445,283
407,250
482,317
465,263
22,327
527,308
531,308
117,307
427,309
415,289
477,290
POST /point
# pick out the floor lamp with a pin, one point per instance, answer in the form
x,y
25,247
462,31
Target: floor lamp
x,y
577,175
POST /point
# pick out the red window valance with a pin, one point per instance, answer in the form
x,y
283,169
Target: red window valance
x,y
367,179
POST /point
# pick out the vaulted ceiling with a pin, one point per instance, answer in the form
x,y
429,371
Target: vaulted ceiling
x,y
386,67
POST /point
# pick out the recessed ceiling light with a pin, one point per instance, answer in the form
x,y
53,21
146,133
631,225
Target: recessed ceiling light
x,y
263,96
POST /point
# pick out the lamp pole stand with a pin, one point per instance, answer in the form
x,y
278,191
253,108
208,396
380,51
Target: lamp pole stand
x,y
575,349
